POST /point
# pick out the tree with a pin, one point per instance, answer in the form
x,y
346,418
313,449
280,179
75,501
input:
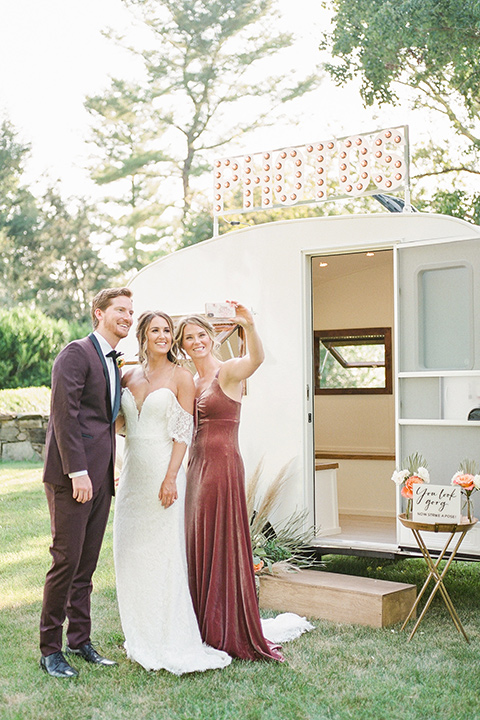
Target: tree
x,y
204,86
125,137
18,218
429,47
12,157
457,203
198,227
69,270
47,259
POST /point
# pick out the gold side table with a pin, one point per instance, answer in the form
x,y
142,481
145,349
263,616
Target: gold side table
x,y
433,565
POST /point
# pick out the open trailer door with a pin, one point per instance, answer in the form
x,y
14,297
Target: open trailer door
x,y
354,410
438,363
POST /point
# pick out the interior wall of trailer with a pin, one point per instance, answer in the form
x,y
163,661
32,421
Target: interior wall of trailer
x,y
356,291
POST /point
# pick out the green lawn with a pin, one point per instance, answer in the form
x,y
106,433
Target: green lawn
x,y
335,672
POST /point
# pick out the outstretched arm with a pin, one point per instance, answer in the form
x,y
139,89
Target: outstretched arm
x,y
234,371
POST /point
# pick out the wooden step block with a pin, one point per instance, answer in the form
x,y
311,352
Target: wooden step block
x,y
336,597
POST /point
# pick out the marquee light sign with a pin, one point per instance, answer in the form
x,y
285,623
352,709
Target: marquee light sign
x,y
332,169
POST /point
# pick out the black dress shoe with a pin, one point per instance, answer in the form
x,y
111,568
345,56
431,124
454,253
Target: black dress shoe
x,y
88,653
56,666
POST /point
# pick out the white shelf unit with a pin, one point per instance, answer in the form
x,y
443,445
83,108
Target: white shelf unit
x,y
432,408
449,423
443,397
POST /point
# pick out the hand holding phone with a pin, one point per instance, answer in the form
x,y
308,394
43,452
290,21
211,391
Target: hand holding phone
x,y
220,310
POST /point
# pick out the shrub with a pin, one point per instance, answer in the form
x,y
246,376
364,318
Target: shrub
x,y
25,400
29,343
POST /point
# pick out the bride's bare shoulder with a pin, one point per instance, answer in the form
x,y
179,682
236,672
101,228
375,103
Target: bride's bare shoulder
x,y
183,376
131,376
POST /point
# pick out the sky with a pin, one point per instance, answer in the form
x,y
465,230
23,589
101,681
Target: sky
x,y
53,54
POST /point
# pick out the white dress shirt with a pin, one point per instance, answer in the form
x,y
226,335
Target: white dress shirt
x,y
105,347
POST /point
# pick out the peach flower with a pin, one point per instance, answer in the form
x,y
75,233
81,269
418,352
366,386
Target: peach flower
x,y
465,480
407,490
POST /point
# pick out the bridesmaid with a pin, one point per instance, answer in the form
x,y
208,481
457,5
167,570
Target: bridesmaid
x,y
219,553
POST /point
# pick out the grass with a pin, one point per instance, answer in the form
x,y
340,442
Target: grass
x,y
336,672
25,400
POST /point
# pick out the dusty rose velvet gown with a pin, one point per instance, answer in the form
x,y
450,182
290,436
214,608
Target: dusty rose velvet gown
x,y
219,553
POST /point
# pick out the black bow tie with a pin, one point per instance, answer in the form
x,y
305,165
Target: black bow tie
x,y
114,354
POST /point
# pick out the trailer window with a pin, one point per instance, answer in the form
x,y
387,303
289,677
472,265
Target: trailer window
x,y
353,361
446,317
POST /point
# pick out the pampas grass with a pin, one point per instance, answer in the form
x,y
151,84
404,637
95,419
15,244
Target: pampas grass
x,y
264,507
282,549
252,487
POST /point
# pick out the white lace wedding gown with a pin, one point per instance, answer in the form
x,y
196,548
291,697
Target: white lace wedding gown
x,y
156,610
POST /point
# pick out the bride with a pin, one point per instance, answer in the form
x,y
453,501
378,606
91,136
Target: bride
x,y
156,610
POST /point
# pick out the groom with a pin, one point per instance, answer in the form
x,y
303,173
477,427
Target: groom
x,y
78,477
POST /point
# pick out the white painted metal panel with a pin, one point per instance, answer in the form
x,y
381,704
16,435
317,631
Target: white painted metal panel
x,y
266,267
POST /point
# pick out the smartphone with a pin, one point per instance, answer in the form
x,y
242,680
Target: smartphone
x,y
219,310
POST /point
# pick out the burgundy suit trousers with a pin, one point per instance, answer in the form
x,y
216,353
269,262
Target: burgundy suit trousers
x,y
77,532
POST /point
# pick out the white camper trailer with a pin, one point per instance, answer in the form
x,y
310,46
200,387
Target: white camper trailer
x,y
405,282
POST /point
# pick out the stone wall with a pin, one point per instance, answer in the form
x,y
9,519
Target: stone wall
x,y
22,436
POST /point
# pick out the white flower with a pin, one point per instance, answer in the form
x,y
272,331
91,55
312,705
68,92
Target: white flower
x,y
476,481
399,476
423,473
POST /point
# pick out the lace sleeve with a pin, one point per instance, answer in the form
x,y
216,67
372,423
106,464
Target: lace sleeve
x,y
180,423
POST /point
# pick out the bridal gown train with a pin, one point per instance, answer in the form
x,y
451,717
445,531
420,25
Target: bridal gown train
x,y
156,611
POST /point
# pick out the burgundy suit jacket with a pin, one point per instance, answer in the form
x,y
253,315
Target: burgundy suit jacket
x,y
80,434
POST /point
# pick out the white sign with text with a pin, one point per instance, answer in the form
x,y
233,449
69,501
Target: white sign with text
x,y
436,503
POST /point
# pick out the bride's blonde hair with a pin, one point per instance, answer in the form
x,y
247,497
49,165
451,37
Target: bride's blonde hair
x,y
141,332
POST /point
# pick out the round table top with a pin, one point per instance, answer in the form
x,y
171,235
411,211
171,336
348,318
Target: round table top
x,y
464,524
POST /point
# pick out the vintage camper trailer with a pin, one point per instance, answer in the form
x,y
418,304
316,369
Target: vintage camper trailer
x,y
405,284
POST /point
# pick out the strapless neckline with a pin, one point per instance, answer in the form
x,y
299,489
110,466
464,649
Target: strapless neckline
x,y
139,410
